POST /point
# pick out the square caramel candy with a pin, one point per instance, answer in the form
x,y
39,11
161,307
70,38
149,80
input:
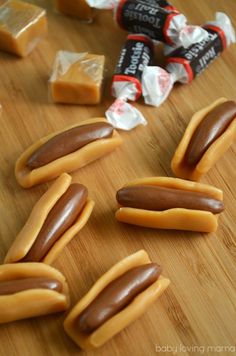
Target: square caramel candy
x,y
76,8
21,27
77,78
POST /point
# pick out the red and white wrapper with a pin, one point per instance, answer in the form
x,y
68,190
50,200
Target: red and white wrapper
x,y
183,65
124,116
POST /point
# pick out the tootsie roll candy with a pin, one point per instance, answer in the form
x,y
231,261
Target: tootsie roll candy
x,y
119,297
148,18
136,54
170,203
183,65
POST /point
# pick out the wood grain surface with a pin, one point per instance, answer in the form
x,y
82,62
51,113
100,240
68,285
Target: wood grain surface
x,y
196,314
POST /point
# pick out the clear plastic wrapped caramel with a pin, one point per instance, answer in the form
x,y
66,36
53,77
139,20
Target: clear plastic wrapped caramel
x,y
21,27
75,8
77,78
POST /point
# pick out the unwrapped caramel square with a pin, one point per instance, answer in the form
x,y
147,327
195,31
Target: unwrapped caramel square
x,y
77,78
21,27
76,8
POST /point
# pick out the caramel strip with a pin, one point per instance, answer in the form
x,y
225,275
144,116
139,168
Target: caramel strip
x,y
209,130
19,285
68,142
160,199
60,219
116,296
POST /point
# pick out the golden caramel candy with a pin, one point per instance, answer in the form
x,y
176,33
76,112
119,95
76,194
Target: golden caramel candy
x,y
21,27
122,318
31,289
76,8
77,78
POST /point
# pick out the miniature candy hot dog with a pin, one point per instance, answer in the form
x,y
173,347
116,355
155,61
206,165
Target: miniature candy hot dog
x,y
209,134
67,142
56,218
170,203
31,289
160,199
60,219
210,128
119,297
19,285
66,151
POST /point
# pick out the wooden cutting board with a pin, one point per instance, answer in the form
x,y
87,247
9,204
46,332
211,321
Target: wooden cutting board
x,y
197,312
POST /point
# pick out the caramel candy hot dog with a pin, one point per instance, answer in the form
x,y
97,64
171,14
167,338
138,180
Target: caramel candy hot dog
x,y
117,295
56,218
159,199
31,289
66,151
207,137
170,203
19,285
118,298
68,142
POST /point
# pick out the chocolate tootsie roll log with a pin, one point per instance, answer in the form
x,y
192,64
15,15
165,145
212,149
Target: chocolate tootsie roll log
x,y
118,298
183,65
55,219
66,151
136,54
170,203
208,136
31,289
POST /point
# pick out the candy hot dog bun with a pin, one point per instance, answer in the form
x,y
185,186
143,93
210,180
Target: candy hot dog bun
x,y
44,160
216,125
133,310
55,219
31,289
170,203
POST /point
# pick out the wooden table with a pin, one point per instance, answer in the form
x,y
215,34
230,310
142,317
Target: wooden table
x,y
198,309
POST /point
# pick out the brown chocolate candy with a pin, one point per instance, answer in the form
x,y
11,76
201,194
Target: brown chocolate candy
x,y
23,284
60,218
159,199
211,127
68,142
116,296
